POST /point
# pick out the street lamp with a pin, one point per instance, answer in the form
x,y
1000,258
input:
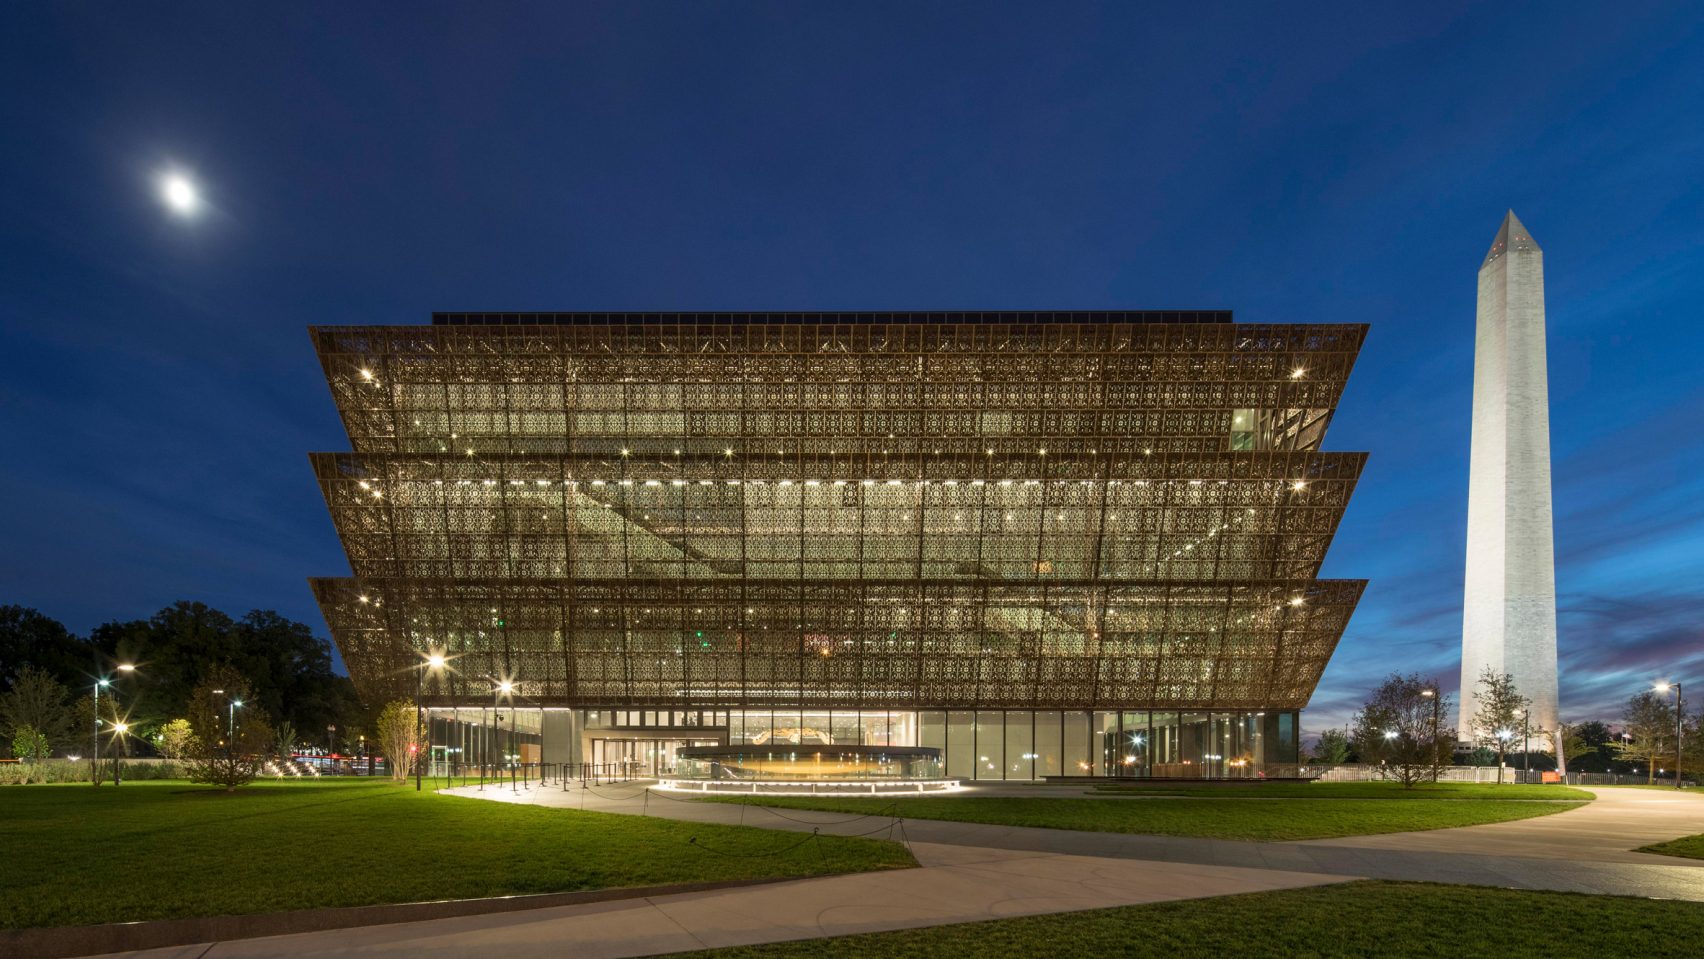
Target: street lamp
x,y
1432,694
119,728
1503,737
1679,714
231,722
95,732
1526,743
504,688
433,662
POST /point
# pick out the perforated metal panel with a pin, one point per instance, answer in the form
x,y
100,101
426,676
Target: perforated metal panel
x,y
824,512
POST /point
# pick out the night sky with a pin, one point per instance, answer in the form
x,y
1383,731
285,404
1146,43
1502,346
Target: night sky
x,y
159,394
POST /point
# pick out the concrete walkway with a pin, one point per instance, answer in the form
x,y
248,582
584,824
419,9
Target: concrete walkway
x,y
955,884
1587,849
971,872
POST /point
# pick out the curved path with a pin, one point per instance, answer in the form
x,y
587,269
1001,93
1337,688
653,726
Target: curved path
x,y
972,871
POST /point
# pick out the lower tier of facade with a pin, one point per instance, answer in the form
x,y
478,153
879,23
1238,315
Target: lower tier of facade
x,y
988,745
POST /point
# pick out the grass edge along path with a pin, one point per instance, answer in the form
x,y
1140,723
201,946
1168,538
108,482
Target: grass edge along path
x,y
1686,847
1346,790
78,855
1352,919
1209,818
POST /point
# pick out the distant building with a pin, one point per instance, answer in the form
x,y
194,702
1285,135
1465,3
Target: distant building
x,y
1043,544
1509,612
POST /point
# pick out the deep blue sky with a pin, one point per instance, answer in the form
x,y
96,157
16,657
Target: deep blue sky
x,y
158,392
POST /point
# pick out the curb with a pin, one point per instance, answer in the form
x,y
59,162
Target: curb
x,y
61,942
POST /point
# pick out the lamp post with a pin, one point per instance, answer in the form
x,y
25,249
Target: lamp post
x,y
501,688
1526,743
1503,737
95,733
1679,716
435,661
231,722
119,729
1432,694
101,683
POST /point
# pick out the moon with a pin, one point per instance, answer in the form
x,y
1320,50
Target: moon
x,y
179,194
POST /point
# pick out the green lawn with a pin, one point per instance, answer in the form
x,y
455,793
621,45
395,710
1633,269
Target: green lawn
x,y
1687,847
1355,790
1391,920
1212,818
75,855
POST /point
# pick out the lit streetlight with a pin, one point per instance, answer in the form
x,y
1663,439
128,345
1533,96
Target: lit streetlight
x,y
119,729
432,662
101,683
1679,714
1437,705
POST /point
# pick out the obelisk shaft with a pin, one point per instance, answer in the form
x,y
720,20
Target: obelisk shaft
x,y
1509,613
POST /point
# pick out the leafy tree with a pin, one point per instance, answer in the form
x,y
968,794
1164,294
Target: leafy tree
x,y
1587,745
37,702
286,739
27,638
226,752
397,727
1500,705
29,745
1402,724
1649,720
175,740
288,668
1333,748
1480,756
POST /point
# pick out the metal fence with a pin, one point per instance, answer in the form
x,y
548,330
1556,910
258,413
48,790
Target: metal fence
x,y
529,775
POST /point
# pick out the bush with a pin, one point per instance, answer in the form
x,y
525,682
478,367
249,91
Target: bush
x,y
66,771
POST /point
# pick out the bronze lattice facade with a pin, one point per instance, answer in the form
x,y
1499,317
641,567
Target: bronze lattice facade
x,y
902,511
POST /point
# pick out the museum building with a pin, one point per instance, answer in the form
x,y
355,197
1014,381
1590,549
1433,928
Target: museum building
x,y
1017,544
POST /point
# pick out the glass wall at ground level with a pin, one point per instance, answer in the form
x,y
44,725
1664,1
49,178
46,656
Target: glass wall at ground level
x,y
982,745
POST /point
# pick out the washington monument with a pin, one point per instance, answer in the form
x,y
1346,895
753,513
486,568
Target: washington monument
x,y
1509,611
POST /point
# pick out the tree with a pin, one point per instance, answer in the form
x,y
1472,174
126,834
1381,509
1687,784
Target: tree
x,y
226,752
1587,745
1333,748
1649,720
1402,724
287,667
40,703
175,740
1500,705
29,745
286,740
397,739
27,638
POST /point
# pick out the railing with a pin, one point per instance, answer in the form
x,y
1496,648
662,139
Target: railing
x,y
520,775
1368,772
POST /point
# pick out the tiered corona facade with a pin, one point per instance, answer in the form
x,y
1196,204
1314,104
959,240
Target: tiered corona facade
x,y
838,511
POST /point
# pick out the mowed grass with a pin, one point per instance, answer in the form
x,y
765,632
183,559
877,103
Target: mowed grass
x,y
76,855
1208,818
1686,847
1354,790
1357,919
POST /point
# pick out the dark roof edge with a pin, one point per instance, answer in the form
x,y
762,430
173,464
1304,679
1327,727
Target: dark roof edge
x,y
894,316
